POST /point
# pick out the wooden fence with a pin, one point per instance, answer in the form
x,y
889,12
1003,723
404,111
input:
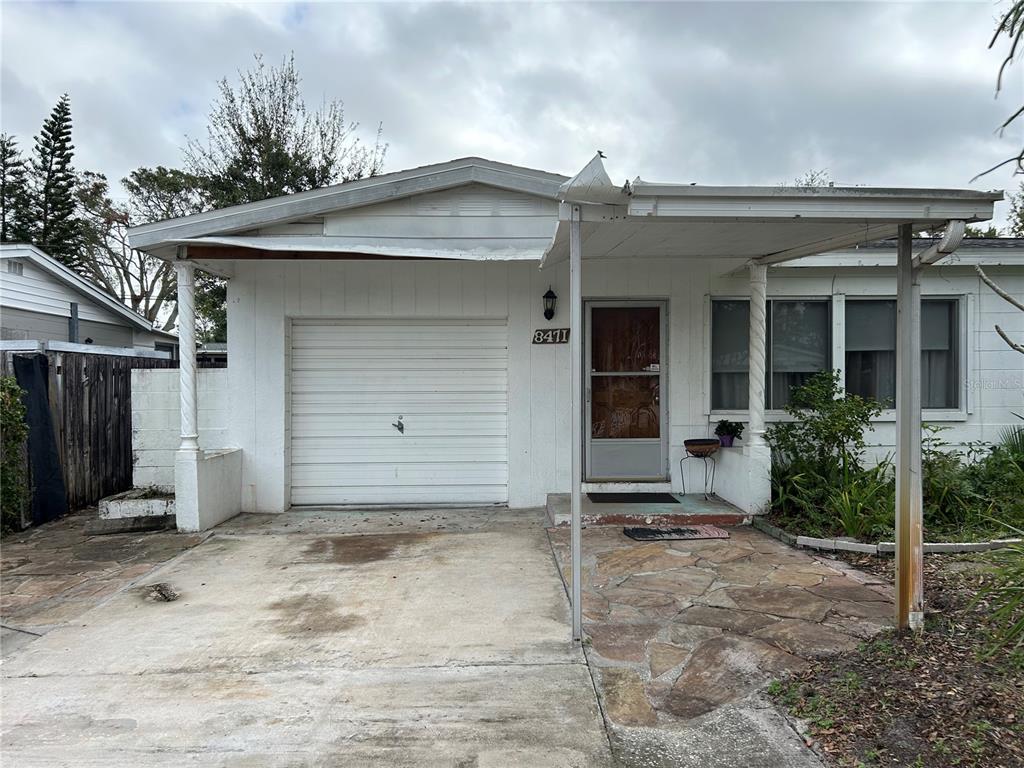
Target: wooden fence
x,y
91,409
95,423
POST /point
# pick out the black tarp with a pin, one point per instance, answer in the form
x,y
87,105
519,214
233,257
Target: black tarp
x,y
49,497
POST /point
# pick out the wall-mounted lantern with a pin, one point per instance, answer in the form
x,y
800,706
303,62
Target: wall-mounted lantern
x,y
550,299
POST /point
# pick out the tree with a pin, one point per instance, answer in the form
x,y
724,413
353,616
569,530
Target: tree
x,y
54,226
1011,26
975,232
262,141
14,198
1011,300
1015,225
815,178
143,282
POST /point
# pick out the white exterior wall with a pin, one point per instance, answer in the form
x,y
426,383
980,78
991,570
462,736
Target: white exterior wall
x,y
156,421
264,295
538,374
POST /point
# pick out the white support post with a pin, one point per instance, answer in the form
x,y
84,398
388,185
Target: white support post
x,y
756,353
576,403
185,271
909,536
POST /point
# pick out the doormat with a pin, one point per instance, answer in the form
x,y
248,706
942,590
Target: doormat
x,y
675,534
632,498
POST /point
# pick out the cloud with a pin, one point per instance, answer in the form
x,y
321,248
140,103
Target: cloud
x,y
758,93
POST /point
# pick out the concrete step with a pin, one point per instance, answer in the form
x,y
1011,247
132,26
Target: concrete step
x,y
692,509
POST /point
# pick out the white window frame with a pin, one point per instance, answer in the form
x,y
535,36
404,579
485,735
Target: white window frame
x,y
964,305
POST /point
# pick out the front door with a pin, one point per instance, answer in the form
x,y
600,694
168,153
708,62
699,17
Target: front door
x,y
625,413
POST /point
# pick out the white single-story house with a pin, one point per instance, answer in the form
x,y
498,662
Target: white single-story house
x,y
43,301
394,340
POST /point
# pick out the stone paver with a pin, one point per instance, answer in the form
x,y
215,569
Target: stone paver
x,y
54,573
700,627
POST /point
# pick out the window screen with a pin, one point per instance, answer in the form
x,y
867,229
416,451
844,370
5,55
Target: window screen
x,y
871,351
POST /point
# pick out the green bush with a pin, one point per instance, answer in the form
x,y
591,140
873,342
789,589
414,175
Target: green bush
x,y
819,483
966,492
821,486
13,433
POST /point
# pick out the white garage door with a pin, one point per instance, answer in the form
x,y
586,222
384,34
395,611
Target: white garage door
x,y
443,383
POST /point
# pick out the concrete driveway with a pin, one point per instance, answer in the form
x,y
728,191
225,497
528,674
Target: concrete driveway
x,y
398,639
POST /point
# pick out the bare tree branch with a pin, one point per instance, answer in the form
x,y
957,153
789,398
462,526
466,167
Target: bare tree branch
x,y
997,290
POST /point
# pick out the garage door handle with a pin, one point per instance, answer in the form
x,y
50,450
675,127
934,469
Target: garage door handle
x,y
399,425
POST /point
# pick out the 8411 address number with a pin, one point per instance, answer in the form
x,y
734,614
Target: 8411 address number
x,y
551,336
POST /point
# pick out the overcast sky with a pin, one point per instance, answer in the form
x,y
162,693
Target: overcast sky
x,y
719,93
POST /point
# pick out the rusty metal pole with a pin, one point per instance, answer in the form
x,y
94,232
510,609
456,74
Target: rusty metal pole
x,y
909,534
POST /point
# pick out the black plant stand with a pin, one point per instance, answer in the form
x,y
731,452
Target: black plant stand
x,y
700,451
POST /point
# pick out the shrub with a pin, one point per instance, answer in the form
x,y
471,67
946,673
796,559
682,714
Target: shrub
x,y
818,477
820,485
13,432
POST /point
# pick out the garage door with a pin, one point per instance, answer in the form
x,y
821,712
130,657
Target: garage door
x,y
399,412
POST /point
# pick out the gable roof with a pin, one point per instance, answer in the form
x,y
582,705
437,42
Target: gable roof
x,y
76,282
352,194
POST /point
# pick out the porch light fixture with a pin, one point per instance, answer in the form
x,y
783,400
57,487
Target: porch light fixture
x,y
550,299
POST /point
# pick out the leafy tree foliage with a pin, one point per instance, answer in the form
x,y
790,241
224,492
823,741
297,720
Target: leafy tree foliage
x,y
14,194
976,232
54,225
1015,226
262,141
13,433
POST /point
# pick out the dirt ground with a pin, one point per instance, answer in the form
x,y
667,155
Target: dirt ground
x,y
931,700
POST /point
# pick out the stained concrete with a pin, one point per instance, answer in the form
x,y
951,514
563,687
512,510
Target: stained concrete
x,y
305,640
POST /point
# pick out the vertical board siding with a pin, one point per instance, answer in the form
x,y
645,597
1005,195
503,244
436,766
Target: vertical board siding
x,y
265,295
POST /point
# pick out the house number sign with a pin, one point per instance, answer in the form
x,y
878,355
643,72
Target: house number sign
x,y
551,336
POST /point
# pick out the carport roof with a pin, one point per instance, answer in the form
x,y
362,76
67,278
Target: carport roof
x,y
770,224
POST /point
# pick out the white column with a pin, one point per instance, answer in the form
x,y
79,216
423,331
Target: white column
x,y
185,271
576,398
909,536
756,354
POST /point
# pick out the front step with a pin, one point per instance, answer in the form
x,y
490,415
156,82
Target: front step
x,y
692,509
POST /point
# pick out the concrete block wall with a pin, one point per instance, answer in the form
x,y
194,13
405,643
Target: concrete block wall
x,y
156,421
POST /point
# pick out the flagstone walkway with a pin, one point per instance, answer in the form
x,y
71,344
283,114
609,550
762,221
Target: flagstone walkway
x,y
683,634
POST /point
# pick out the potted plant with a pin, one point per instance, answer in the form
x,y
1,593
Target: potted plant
x,y
727,431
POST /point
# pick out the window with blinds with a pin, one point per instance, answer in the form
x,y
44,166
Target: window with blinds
x,y
871,351
798,346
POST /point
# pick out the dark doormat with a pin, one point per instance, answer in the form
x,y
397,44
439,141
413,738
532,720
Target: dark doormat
x,y
632,498
675,534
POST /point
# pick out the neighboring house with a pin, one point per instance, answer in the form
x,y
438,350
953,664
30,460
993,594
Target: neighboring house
x,y
42,300
388,344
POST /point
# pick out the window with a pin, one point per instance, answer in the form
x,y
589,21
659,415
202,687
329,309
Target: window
x,y
730,329
800,336
871,351
799,345
15,267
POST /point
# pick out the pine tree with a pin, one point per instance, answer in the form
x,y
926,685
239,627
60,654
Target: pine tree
x,y
14,199
55,227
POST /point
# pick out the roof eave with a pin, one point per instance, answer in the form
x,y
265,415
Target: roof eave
x,y
353,194
80,285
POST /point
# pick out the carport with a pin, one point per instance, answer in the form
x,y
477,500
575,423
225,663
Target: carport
x,y
768,226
